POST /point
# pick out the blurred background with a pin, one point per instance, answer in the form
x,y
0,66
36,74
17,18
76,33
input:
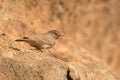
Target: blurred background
x,y
91,24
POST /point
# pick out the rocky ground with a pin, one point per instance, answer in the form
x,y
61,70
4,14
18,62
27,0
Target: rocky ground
x,y
91,32
18,63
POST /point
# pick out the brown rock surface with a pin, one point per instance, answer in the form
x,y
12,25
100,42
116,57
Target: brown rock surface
x,y
92,24
17,63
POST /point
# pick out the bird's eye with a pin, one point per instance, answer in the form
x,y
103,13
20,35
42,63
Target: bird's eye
x,y
55,33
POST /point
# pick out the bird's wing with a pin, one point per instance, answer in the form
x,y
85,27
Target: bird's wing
x,y
46,39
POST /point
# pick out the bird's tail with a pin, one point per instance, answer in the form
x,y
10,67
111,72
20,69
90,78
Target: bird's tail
x,y
23,39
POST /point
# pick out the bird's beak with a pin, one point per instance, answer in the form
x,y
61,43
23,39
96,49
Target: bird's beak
x,y
61,36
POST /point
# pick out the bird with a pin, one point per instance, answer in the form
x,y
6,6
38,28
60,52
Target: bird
x,y
43,41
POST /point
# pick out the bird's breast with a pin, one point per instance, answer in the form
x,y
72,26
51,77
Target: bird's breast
x,y
47,46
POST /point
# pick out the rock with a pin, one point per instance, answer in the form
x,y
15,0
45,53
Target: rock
x,y
93,24
17,63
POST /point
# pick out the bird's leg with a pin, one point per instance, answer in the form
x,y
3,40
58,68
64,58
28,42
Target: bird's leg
x,y
53,48
47,51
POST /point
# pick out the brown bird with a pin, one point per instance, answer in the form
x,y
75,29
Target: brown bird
x,y
43,41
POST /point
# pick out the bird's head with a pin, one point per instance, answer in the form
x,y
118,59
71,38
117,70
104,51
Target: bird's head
x,y
55,33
